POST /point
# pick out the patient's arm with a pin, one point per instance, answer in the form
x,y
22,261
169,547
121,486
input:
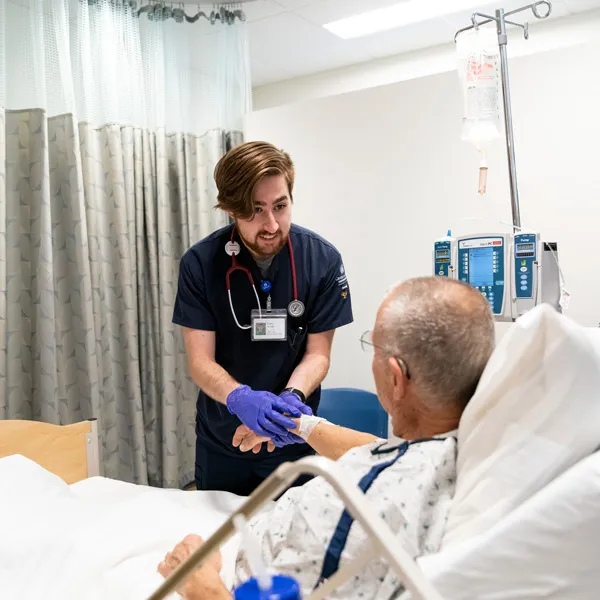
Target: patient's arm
x,y
204,583
333,441
326,439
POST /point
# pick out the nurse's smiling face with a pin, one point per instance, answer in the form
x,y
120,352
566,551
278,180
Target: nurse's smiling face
x,y
267,231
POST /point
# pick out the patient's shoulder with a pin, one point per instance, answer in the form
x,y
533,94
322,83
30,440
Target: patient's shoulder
x,y
382,451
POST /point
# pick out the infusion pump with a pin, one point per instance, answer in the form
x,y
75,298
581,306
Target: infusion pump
x,y
515,272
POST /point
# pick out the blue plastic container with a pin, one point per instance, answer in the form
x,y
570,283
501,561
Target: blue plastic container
x,y
282,588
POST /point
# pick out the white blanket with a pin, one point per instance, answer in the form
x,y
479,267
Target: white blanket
x,y
96,539
101,539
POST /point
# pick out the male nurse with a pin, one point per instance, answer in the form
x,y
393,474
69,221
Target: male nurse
x,y
259,302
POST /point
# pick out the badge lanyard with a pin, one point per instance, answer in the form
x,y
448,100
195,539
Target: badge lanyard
x,y
232,248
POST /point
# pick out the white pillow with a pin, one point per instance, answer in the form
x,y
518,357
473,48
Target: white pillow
x,y
593,335
22,476
536,412
547,548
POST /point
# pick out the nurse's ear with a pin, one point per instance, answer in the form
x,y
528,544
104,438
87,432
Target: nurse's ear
x,y
232,218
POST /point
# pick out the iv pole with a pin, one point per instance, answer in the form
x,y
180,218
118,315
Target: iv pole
x,y
501,23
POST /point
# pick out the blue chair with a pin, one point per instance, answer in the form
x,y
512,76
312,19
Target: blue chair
x,y
355,409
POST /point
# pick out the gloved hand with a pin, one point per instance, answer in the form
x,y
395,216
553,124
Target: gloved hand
x,y
292,399
262,411
281,440
305,428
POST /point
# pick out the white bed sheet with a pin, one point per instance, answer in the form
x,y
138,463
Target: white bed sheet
x,y
98,538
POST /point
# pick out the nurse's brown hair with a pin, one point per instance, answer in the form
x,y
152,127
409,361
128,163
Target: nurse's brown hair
x,y
238,172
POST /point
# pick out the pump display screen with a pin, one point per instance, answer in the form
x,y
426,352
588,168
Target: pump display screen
x,y
524,247
525,250
481,267
442,253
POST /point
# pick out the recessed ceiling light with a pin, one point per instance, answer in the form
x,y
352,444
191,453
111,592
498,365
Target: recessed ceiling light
x,y
397,15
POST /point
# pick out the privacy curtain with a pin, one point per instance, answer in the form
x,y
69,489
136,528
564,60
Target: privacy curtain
x,y
111,124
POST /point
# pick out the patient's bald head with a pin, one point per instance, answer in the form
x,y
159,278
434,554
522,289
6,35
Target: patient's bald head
x,y
442,332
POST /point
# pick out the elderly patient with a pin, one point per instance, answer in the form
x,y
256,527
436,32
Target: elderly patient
x,y
431,341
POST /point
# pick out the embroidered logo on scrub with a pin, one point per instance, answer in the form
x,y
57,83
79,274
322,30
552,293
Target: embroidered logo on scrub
x,y
342,280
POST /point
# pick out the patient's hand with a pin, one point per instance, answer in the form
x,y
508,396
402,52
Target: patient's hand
x,y
202,582
245,439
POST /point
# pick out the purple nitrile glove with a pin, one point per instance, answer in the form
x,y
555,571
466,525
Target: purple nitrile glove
x,y
279,441
293,400
261,411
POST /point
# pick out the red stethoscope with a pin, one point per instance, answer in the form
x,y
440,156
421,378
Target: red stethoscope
x,y
232,248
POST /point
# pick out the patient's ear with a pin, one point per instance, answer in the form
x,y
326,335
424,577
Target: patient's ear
x,y
399,379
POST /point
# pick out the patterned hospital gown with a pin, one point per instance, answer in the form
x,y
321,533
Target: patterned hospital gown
x,y
412,494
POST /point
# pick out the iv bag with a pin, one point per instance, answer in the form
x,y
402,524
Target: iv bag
x,y
479,72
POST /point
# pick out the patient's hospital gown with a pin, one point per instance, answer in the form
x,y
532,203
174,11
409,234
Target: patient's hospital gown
x,y
410,488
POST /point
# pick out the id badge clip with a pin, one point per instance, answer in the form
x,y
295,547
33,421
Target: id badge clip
x,y
269,325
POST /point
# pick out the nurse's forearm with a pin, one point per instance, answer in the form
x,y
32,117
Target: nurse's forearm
x,y
309,374
212,379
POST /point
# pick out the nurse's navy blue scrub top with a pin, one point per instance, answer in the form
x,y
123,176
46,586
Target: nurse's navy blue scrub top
x,y
202,303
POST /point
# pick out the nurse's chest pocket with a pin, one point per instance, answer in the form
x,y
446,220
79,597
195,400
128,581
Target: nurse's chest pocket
x,y
296,337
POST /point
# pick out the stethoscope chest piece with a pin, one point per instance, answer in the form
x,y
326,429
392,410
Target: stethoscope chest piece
x,y
232,248
296,308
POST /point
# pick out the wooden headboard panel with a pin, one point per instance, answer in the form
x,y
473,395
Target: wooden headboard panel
x,y
69,451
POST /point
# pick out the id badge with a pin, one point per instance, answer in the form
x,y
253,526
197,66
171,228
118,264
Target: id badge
x,y
269,325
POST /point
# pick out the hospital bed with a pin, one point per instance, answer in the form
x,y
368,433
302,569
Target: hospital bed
x,y
524,522
69,451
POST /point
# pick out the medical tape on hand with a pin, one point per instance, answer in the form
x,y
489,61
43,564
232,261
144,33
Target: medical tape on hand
x,y
307,424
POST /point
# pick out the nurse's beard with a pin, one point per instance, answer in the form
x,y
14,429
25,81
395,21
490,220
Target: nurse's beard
x,y
264,250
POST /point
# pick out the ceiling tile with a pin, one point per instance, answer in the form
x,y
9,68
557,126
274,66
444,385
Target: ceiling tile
x,y
404,39
295,4
327,11
261,9
463,18
289,42
287,38
559,9
575,6
264,73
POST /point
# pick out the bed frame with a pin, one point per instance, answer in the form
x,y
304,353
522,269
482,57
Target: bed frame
x,y
69,451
